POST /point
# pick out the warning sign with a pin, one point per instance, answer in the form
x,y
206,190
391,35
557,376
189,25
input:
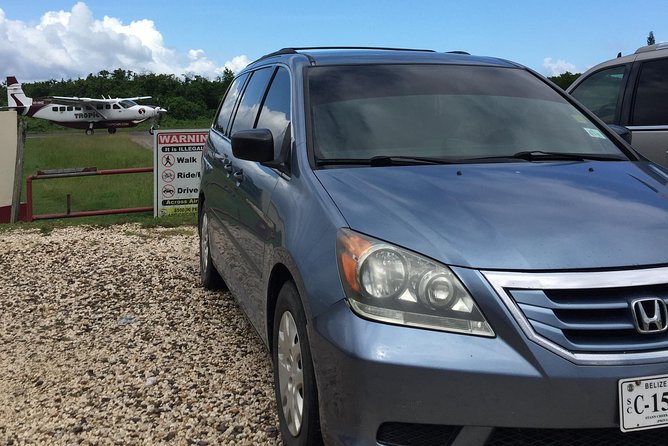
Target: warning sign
x,y
177,158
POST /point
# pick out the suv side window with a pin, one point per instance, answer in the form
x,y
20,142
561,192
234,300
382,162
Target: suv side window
x,y
275,112
601,92
651,94
225,112
251,99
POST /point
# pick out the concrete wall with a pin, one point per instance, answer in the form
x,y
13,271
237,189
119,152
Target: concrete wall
x,y
8,140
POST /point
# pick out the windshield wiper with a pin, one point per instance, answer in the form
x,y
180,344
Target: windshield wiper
x,y
402,160
540,155
380,161
342,161
527,155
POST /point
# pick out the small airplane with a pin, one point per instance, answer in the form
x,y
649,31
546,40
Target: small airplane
x,y
83,113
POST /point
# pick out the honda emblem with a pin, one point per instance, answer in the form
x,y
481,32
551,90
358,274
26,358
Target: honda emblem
x,y
650,315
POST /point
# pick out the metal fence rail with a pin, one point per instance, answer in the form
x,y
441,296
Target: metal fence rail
x,y
80,172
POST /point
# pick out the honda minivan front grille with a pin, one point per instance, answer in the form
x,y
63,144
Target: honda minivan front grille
x,y
604,317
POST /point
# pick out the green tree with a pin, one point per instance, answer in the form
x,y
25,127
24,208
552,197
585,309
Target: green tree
x,y
650,38
3,94
564,80
182,109
228,77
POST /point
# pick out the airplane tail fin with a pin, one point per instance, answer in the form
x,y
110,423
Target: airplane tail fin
x,y
16,98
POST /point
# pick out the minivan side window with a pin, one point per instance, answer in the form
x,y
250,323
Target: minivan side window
x,y
651,94
225,112
275,112
601,92
251,99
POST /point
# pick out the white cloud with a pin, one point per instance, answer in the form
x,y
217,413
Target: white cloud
x,y
557,67
66,44
237,63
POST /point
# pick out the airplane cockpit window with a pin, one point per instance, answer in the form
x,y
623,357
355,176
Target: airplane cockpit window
x,y
128,103
117,107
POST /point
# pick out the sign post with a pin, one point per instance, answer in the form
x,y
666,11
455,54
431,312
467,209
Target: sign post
x,y
177,158
18,173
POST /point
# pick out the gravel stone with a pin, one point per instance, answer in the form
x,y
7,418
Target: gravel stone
x,y
108,339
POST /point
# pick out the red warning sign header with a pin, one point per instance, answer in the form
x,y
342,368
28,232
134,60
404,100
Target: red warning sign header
x,y
182,138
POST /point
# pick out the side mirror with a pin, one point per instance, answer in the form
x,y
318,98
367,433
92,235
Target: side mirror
x,y
622,131
253,145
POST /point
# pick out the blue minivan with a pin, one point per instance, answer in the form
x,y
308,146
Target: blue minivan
x,y
439,249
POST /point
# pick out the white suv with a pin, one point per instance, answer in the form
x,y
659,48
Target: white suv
x,y
632,91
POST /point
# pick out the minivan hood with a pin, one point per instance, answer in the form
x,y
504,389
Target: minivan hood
x,y
512,216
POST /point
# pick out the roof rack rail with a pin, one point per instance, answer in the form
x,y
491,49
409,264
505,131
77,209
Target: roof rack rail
x,y
648,48
296,50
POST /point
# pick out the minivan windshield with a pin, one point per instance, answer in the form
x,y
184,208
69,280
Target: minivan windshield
x,y
449,113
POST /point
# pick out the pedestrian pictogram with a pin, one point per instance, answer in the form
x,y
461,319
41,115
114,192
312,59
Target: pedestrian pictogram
x,y
168,160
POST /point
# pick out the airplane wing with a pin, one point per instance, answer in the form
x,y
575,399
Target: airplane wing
x,y
68,100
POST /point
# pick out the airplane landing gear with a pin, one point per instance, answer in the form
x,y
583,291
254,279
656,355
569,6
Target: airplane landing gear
x,y
89,130
111,130
151,130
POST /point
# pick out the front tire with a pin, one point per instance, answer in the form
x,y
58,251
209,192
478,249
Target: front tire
x,y
209,276
294,379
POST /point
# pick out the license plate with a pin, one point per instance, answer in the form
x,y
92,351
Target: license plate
x,y
643,403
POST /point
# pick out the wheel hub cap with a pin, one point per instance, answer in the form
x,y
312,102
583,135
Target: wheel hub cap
x,y
204,243
290,373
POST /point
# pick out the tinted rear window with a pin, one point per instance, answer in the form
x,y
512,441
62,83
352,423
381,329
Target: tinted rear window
x,y
652,94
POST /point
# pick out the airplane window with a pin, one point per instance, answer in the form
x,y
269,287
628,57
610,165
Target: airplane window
x,y
100,107
62,108
54,108
108,107
127,103
70,108
88,107
117,107
77,108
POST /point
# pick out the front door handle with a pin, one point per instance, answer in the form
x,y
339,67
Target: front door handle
x,y
227,165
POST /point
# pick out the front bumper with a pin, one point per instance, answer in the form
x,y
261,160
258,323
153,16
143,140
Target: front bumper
x,y
370,374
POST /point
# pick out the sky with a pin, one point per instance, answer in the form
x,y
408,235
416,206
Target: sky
x,y
66,39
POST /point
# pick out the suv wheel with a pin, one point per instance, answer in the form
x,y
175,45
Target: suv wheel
x,y
294,380
209,276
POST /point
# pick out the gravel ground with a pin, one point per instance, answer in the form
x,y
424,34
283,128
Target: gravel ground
x,y
106,338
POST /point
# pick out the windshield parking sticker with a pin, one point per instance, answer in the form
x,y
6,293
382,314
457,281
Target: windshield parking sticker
x,y
579,118
594,133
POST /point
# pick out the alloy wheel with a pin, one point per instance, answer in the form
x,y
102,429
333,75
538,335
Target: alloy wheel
x,y
204,242
290,373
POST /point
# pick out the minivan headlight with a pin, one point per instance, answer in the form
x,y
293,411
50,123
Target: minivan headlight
x,y
390,284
